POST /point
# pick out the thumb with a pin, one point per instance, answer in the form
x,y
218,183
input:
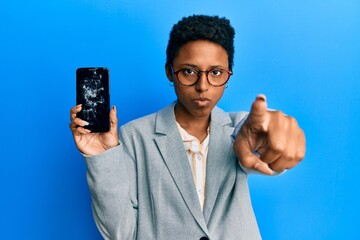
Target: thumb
x,y
258,119
113,121
248,158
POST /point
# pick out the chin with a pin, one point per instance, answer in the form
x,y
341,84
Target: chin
x,y
201,112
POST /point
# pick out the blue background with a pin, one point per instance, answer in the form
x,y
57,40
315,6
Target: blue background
x,y
304,55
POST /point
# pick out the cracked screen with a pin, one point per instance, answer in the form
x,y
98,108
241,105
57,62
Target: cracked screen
x,y
92,91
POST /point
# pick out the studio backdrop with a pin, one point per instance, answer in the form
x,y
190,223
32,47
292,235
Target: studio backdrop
x,y
303,55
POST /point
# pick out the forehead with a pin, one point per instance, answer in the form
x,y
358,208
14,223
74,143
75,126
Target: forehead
x,y
202,53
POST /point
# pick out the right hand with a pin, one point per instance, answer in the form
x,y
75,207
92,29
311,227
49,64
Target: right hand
x,y
90,143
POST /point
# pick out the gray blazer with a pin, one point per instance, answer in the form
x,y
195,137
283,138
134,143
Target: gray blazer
x,y
144,188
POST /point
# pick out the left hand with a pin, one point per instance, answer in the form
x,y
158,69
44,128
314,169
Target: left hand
x,y
276,137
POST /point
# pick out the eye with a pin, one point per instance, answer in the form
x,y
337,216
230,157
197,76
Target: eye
x,y
216,72
189,71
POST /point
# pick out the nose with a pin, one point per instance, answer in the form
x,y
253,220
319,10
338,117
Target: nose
x,y
202,84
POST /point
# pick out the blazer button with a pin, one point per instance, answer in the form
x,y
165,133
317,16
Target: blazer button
x,y
204,238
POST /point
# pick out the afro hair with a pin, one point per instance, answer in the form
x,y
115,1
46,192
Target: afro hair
x,y
201,27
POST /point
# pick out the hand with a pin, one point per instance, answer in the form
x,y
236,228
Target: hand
x,y
93,143
277,138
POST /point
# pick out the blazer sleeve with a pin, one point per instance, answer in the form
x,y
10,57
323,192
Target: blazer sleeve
x,y
111,178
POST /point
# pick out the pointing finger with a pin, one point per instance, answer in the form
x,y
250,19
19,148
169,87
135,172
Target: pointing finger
x,y
258,118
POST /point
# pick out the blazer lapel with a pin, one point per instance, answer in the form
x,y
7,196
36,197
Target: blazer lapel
x,y
219,165
173,152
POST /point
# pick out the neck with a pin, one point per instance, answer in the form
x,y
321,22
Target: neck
x,y
195,125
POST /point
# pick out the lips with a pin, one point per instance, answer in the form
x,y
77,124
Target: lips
x,y
201,101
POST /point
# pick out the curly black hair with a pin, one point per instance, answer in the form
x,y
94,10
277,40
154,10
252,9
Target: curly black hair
x,y
201,27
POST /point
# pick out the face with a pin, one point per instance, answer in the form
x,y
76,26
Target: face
x,y
197,101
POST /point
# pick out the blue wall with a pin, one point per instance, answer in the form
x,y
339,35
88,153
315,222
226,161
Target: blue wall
x,y
304,55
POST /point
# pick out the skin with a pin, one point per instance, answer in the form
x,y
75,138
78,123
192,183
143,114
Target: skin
x,y
195,103
277,137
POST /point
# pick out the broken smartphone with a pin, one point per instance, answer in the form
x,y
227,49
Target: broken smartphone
x,y
93,92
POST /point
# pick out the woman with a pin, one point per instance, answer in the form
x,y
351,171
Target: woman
x,y
175,174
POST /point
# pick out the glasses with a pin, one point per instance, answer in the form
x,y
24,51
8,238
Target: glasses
x,y
216,77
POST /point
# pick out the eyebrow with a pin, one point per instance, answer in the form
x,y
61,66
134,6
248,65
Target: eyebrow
x,y
197,67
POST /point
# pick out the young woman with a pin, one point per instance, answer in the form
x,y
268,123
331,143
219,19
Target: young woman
x,y
176,174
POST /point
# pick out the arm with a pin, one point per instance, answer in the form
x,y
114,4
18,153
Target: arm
x,y
111,175
112,183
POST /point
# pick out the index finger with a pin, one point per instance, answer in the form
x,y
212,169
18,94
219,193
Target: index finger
x,y
74,111
258,118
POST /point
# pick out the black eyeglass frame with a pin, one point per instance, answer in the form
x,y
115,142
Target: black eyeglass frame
x,y
176,73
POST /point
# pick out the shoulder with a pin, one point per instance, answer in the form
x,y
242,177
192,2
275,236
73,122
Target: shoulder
x,y
221,117
140,123
152,121
142,131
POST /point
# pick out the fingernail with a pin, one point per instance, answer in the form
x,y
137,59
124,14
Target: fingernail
x,y
269,171
85,123
263,168
261,97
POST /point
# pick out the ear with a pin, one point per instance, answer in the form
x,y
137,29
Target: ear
x,y
168,72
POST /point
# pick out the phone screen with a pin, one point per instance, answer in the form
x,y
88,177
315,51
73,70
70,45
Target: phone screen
x,y
92,91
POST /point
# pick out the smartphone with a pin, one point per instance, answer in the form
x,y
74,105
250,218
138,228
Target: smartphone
x,y
93,92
